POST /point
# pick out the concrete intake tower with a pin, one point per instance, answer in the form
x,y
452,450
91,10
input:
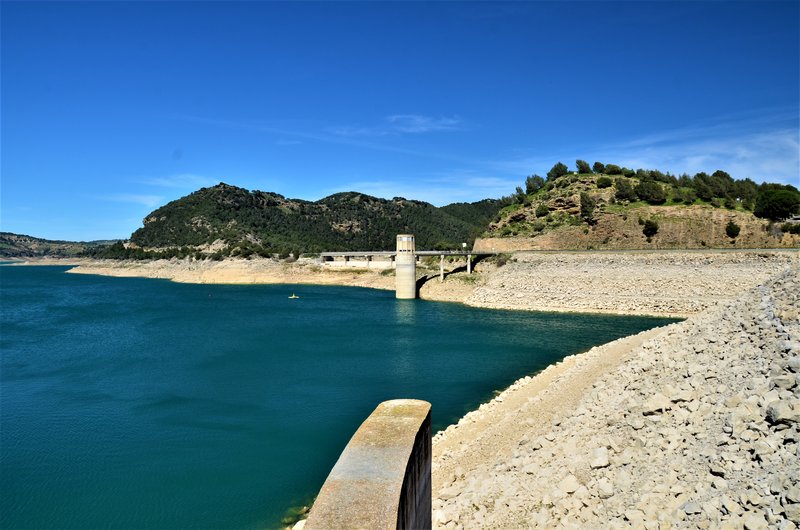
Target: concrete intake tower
x,y
406,268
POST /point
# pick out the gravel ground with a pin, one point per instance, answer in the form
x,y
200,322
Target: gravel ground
x,y
694,425
643,283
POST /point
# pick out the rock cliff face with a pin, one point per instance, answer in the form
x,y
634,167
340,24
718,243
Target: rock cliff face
x,y
698,428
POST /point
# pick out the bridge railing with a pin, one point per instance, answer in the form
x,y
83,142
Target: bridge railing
x,y
382,480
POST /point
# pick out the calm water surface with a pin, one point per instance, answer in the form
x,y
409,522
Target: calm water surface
x,y
138,403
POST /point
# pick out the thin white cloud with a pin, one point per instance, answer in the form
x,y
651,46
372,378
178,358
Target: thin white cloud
x,y
763,146
417,123
402,124
151,201
439,189
181,180
336,136
770,155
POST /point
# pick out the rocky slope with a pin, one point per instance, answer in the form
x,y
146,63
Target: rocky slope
x,y
698,428
553,219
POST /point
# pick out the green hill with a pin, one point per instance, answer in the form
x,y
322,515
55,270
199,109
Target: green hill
x,y
237,221
618,208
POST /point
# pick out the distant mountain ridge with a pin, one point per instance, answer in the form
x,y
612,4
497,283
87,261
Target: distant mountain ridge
x,y
234,218
23,246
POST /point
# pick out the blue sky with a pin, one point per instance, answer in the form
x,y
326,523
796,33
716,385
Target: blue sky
x,y
110,109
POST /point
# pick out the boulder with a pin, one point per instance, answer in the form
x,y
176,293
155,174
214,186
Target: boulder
x,y
784,411
599,458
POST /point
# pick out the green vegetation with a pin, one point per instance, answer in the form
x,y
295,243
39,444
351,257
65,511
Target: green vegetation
x,y
542,210
624,190
791,228
650,228
604,182
533,184
558,170
771,201
650,191
583,166
777,202
588,204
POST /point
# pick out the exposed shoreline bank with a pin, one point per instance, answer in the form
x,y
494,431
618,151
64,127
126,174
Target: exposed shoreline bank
x,y
654,283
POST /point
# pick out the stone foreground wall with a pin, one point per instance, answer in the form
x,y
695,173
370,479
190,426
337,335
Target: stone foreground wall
x,y
656,283
700,428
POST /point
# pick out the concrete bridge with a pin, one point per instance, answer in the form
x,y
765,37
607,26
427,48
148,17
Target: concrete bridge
x,y
403,260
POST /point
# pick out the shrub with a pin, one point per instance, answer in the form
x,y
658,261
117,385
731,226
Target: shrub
x,y
732,229
588,204
542,210
791,228
613,169
688,195
538,226
599,167
558,170
624,191
583,166
650,191
729,203
650,228
604,182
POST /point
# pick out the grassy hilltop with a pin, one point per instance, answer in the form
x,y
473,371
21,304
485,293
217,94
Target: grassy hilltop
x,y
608,207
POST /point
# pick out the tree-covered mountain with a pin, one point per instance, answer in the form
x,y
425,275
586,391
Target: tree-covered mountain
x,y
239,222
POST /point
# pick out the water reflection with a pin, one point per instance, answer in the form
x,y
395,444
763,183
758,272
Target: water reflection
x,y
405,312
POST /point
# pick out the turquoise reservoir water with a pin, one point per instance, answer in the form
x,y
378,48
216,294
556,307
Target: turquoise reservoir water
x,y
137,403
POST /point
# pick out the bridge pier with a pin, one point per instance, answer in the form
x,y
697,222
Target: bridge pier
x,y
469,263
441,268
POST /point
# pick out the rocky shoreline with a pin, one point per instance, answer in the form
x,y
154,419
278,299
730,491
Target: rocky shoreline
x,y
698,426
